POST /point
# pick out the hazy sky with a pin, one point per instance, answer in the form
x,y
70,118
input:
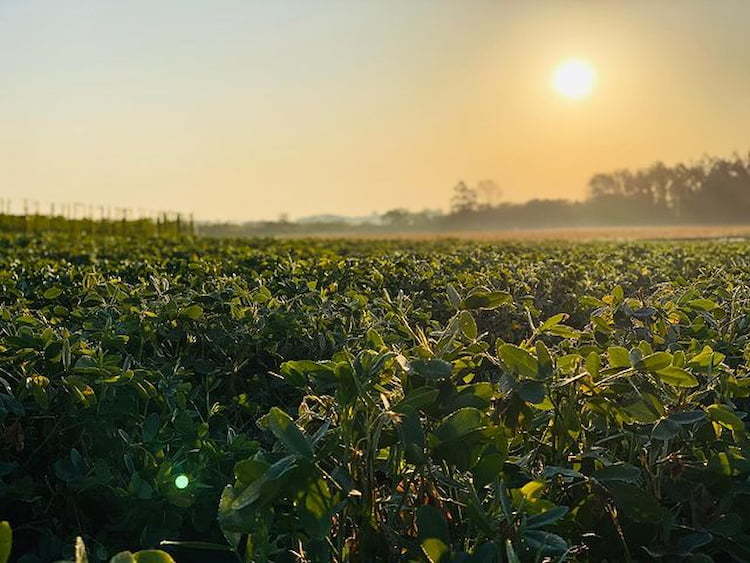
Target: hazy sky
x,y
245,109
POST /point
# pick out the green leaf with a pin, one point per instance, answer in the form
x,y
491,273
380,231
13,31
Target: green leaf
x,y
468,325
646,410
665,429
722,415
618,472
704,305
486,300
510,552
690,542
553,321
248,470
123,557
266,486
531,391
412,438
193,312
544,544
433,535
618,357
453,297
417,399
518,360
288,433
544,360
153,556
298,372
677,377
547,518
635,503
52,293
706,359
488,469
488,552
687,417
654,362
593,364
459,424
434,369
459,438
6,541
315,505
476,395
564,331
150,427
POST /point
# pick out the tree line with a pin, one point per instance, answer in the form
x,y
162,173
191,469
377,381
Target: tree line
x,y
711,190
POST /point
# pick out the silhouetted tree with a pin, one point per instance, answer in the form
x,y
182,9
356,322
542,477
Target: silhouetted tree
x,y
464,199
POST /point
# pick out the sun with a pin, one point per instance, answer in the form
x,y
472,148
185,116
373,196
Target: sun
x,y
574,78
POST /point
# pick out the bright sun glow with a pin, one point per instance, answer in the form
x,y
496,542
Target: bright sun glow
x,y
181,482
574,78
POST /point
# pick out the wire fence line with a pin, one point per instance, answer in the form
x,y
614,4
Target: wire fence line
x,y
32,216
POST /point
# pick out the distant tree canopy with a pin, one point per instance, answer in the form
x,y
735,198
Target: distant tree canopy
x,y
712,190
709,191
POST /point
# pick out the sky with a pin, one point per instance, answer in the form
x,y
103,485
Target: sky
x,y
247,109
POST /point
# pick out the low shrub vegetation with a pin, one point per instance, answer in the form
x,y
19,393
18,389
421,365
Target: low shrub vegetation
x,y
444,401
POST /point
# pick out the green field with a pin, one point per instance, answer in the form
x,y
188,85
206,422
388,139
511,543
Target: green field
x,y
329,400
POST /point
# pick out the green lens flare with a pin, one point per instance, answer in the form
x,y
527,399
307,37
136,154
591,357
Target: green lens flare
x,y
181,481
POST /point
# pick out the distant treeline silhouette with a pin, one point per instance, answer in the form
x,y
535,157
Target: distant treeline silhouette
x,y
710,191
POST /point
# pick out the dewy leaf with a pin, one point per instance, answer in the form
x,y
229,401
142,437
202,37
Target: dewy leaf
x,y
6,541
677,377
518,360
433,536
288,433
